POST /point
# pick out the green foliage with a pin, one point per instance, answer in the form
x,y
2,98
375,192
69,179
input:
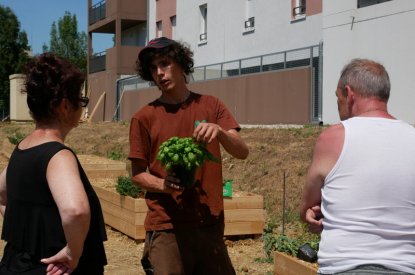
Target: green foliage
x,y
114,155
15,138
183,152
283,243
126,187
67,42
13,52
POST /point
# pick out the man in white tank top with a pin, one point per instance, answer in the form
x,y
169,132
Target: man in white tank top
x,y
360,187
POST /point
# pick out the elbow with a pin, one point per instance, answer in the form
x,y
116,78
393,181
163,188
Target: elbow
x,y
242,153
77,213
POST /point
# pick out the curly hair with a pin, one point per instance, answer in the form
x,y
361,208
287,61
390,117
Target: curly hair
x,y
178,52
49,79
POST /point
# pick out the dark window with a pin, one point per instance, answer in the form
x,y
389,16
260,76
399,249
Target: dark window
x,y
366,3
250,23
300,9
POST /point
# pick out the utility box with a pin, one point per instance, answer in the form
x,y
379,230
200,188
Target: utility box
x,y
18,105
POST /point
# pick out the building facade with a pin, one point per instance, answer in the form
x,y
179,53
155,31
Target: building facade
x,y
379,30
238,38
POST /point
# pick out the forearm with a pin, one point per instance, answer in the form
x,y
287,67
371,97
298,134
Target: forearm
x,y
3,192
233,144
76,226
149,182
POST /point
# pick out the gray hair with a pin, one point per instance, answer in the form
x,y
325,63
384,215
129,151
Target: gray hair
x,y
367,78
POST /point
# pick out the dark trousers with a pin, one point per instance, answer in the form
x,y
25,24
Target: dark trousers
x,y
187,252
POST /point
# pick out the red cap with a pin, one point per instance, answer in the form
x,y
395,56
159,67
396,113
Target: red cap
x,y
156,43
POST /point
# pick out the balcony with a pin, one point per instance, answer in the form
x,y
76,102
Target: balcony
x,y
120,60
97,62
97,12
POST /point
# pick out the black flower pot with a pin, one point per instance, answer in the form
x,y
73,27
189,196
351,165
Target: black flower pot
x,y
187,177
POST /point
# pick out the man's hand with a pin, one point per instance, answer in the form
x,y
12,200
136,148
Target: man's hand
x,y
171,184
314,218
206,132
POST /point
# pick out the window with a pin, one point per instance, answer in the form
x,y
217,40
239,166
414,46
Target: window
x,y
366,3
159,29
203,23
250,23
299,8
249,15
173,25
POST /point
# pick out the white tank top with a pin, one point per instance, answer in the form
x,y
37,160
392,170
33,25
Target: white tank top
x,y
368,198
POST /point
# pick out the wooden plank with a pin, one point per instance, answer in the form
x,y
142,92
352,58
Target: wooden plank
x,y
136,205
237,215
127,214
100,99
124,214
96,174
136,232
244,202
288,265
243,228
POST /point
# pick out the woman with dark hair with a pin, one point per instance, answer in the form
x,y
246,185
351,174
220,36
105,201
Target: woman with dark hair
x,y
53,222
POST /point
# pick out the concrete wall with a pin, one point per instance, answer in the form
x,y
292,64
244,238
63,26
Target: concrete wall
x,y
263,98
383,32
227,38
18,105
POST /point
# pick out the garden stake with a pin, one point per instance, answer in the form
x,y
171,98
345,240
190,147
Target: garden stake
x,y
283,205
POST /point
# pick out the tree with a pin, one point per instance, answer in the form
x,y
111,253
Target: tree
x,y
13,53
67,42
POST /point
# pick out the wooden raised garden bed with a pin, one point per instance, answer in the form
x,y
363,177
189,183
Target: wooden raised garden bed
x,y
244,214
288,265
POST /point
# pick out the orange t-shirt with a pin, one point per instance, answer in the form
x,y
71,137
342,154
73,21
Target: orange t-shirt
x,y
156,123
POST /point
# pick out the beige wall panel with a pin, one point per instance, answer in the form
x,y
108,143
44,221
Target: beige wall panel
x,y
263,98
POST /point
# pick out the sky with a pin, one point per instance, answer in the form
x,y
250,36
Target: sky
x,y
36,18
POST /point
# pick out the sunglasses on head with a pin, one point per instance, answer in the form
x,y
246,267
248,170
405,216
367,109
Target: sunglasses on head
x,y
84,101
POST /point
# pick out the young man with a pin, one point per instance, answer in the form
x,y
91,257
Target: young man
x,y
360,188
184,227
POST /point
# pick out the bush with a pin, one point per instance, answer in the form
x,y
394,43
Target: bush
x,y
126,187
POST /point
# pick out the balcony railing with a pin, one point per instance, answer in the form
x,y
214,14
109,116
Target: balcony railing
x,y
97,62
97,12
300,10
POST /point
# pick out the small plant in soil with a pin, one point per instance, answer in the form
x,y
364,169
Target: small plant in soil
x,y
182,156
126,187
15,138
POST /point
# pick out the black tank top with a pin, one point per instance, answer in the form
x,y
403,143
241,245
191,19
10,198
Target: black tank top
x,y
32,225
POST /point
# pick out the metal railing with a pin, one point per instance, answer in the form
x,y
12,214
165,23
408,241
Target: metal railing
x,y
270,62
97,62
97,12
303,57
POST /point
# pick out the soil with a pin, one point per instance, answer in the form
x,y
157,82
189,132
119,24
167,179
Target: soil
x,y
276,167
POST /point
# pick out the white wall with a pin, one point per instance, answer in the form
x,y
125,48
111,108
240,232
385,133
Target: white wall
x,y
274,31
382,32
151,19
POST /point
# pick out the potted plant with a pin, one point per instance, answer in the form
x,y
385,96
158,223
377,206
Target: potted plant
x,y
183,156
